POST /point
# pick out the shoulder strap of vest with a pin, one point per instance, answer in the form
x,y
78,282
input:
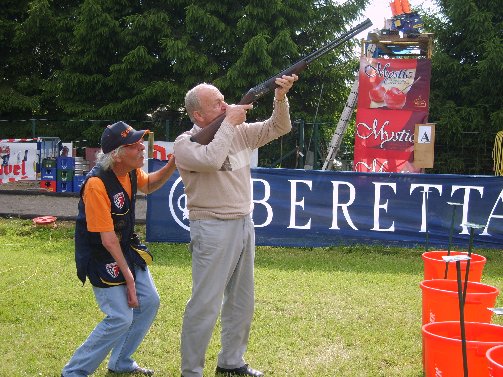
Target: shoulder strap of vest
x,y
134,182
95,171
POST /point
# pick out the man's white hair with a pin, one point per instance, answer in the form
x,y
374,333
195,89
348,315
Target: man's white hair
x,y
106,160
192,103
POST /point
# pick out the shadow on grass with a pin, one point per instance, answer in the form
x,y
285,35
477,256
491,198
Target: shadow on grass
x,y
353,258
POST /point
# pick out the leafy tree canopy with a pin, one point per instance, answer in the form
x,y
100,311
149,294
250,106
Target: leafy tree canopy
x,y
466,89
120,59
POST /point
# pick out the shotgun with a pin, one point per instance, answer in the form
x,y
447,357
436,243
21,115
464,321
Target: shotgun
x,y
205,136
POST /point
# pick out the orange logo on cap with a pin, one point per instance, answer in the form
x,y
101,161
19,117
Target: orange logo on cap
x,y
125,132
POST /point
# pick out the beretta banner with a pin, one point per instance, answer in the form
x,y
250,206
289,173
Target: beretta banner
x,y
312,208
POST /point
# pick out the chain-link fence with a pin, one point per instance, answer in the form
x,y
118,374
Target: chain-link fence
x,y
83,133
306,146
472,154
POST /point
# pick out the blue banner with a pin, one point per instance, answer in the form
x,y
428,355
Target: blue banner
x,y
313,208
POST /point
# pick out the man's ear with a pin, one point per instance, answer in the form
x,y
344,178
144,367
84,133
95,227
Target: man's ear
x,y
198,117
116,156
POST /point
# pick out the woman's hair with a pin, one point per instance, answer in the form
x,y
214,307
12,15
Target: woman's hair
x,y
106,160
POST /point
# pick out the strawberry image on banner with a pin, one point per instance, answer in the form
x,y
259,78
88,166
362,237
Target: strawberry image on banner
x,y
384,140
394,84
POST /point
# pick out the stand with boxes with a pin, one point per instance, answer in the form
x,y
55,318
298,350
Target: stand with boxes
x,y
81,169
58,174
77,182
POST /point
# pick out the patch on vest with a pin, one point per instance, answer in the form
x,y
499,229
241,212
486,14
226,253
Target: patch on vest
x,y
112,269
119,200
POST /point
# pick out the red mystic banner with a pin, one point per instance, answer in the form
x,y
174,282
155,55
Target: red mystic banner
x,y
394,84
384,140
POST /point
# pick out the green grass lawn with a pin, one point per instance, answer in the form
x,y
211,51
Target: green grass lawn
x,y
341,311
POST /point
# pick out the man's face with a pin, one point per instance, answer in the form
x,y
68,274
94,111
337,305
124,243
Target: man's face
x,y
134,155
212,105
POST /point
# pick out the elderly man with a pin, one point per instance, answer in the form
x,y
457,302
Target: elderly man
x,y
217,183
109,253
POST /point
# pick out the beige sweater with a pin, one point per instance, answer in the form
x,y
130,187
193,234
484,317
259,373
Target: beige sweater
x,y
217,176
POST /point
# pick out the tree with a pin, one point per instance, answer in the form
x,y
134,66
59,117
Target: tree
x,y
13,101
466,100
237,45
115,67
128,60
124,59
34,37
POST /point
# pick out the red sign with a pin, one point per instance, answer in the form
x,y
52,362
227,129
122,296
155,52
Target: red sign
x,y
393,96
384,140
394,84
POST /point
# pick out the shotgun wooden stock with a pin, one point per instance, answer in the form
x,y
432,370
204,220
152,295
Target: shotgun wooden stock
x,y
205,136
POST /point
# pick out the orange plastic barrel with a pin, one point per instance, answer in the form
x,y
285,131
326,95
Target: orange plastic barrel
x,y
443,355
434,266
393,9
441,302
494,357
405,6
398,6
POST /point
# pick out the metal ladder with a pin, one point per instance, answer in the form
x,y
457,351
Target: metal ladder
x,y
343,123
